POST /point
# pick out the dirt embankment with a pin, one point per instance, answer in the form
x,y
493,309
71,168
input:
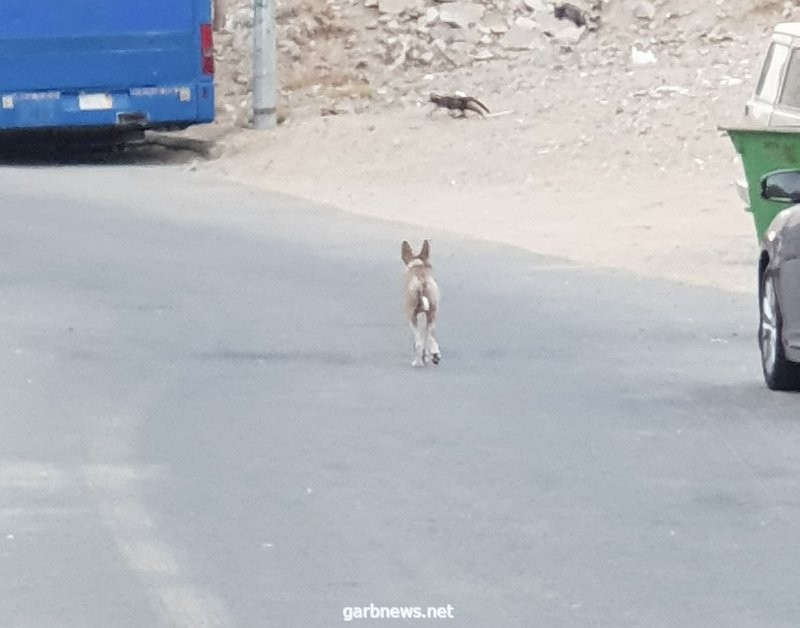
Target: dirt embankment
x,y
605,152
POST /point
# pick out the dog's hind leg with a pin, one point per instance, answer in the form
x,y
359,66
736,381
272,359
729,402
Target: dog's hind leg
x,y
419,344
431,344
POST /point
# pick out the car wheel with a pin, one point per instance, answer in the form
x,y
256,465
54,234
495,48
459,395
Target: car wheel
x,y
779,373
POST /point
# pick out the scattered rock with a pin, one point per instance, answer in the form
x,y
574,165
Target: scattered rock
x,y
642,57
427,57
430,17
571,13
526,23
521,36
645,11
536,5
292,48
496,23
396,7
461,14
718,35
469,35
549,24
443,33
569,34
483,55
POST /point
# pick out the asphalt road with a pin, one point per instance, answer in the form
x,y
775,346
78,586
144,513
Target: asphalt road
x,y
208,418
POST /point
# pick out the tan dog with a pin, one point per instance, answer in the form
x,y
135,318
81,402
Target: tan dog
x,y
421,297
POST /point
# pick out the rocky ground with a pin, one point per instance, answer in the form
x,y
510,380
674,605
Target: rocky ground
x,y
603,149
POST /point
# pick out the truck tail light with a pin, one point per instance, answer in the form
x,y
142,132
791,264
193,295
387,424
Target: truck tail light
x,y
207,49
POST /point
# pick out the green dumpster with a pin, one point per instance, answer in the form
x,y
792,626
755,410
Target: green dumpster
x,y
765,150
771,160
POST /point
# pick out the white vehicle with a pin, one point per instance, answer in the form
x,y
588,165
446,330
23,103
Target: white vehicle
x,y
776,98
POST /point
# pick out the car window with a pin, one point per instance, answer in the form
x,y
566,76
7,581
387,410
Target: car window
x,y
790,96
770,79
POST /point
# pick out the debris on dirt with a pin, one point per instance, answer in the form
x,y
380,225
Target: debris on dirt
x,y
642,57
350,56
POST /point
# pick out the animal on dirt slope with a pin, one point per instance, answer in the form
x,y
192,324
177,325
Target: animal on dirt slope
x,y
459,103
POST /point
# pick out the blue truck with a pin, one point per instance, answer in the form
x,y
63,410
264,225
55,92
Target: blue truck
x,y
105,65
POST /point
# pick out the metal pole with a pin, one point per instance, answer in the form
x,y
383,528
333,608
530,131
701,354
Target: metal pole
x,y
265,82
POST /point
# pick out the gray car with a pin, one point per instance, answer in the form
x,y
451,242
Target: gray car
x,y
779,284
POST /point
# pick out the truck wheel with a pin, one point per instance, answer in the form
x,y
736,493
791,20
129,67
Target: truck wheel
x,y
779,373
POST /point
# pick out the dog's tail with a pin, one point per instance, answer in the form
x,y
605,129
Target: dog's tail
x,y
424,303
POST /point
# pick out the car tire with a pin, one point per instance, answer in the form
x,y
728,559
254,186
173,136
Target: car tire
x,y
779,373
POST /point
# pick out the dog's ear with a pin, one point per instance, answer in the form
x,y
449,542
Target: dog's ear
x,y
425,253
406,253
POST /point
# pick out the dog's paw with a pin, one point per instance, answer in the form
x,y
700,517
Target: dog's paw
x,y
436,358
417,363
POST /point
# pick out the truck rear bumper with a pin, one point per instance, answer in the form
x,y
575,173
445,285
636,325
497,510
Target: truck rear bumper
x,y
137,107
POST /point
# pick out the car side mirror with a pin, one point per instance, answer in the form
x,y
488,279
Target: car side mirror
x,y
781,186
